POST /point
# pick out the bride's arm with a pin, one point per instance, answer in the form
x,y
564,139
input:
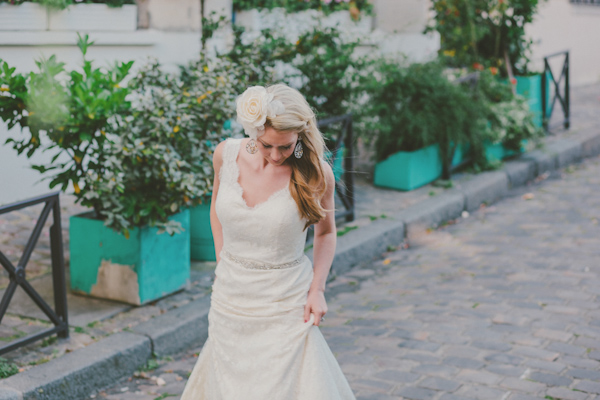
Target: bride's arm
x,y
215,225
324,250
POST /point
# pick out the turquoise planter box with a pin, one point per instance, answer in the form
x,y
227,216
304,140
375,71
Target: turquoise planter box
x,y
338,164
202,245
530,87
497,152
459,154
409,170
143,268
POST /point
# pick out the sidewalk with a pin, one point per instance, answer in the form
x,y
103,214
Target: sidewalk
x,y
384,218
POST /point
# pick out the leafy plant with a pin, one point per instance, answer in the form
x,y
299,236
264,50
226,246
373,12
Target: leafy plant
x,y
7,368
150,365
485,33
510,121
69,111
506,120
210,25
327,67
414,107
161,159
257,59
327,6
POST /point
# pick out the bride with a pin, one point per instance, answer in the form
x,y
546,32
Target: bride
x,y
267,300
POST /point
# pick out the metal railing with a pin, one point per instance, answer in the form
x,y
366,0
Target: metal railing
x,y
591,2
343,142
17,273
563,97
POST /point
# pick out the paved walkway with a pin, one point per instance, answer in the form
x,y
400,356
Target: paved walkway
x,y
503,304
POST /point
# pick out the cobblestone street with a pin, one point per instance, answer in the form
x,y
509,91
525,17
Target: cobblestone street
x,y
501,304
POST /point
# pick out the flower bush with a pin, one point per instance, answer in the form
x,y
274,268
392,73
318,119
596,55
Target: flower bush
x,y
327,69
257,59
356,7
485,33
509,120
161,159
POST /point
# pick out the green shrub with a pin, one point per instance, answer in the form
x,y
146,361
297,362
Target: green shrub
x,y
327,69
413,107
7,368
485,33
161,158
256,60
355,6
510,121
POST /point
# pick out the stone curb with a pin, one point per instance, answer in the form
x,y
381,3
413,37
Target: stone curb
x,y
364,244
487,187
76,374
542,159
178,329
567,152
103,363
590,144
431,212
519,172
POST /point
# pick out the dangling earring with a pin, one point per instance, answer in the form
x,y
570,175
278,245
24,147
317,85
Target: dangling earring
x,y
251,146
298,150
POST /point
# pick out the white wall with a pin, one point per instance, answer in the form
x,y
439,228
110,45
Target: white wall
x,y
560,26
408,16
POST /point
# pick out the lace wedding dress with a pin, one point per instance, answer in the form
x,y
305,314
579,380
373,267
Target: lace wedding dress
x,y
258,346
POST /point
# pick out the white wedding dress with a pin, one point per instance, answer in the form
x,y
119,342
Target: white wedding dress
x,y
258,346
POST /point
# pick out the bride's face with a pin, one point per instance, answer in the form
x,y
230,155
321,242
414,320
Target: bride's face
x,y
276,146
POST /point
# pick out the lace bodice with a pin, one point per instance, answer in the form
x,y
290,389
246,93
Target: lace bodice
x,y
271,231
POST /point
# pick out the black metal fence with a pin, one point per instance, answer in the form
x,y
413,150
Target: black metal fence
x,y
560,94
591,2
17,274
343,143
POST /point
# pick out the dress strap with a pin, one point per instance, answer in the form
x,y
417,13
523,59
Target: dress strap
x,y
230,153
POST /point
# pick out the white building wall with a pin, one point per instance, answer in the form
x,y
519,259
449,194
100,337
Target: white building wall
x,y
561,25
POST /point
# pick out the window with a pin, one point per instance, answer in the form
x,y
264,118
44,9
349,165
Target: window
x,y
592,2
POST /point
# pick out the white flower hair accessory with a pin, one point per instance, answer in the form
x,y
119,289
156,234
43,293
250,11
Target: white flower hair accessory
x,y
253,107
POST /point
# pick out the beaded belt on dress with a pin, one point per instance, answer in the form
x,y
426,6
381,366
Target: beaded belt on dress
x,y
254,264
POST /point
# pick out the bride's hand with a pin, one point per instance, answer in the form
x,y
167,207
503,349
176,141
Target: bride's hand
x,y
316,304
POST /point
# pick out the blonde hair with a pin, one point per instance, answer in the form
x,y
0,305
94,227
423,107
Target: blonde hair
x,y
308,184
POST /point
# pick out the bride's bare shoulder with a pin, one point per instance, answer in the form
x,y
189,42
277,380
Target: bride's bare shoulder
x,y
218,155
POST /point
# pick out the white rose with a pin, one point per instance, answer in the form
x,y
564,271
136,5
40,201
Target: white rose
x,y
251,108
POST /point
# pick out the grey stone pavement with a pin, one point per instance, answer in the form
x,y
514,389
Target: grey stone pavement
x,y
500,304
